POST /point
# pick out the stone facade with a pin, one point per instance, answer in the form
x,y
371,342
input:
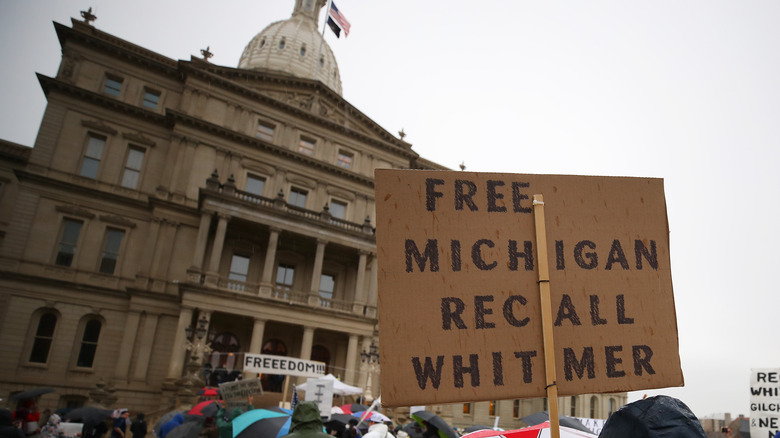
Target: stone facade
x,y
161,194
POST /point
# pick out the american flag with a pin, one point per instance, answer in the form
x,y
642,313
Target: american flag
x,y
339,18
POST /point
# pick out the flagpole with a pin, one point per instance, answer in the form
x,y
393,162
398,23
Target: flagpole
x,y
319,52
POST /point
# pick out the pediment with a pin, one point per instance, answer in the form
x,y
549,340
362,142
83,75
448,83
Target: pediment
x,y
306,95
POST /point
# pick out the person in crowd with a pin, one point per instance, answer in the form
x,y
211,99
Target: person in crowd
x,y
52,427
306,422
27,413
7,427
351,429
120,424
139,427
430,431
377,430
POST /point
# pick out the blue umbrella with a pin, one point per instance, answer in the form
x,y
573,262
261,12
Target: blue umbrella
x,y
262,423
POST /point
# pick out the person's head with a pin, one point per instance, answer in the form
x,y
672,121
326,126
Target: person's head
x,y
140,416
124,413
54,419
353,422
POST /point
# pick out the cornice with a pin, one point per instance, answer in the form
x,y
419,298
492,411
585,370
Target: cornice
x,y
66,186
51,84
179,117
102,41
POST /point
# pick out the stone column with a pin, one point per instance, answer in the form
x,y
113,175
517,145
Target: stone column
x,y
145,348
359,302
193,273
212,275
256,344
314,290
126,347
352,355
177,352
372,291
144,268
307,342
266,281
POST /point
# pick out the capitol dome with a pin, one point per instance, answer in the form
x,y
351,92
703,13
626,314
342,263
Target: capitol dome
x,y
295,47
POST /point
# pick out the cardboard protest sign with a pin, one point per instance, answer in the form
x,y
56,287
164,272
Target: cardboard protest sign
x,y
459,305
764,402
236,394
270,364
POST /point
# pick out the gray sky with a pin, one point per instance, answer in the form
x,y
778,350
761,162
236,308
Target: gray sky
x,y
685,90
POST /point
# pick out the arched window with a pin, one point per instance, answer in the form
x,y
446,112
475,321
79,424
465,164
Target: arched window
x,y
44,335
573,405
593,404
89,343
611,406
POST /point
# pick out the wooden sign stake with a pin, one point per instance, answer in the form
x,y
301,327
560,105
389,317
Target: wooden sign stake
x,y
547,327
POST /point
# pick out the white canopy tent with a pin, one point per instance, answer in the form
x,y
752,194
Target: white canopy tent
x,y
339,387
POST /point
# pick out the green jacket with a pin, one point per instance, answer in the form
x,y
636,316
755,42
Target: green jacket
x,y
306,422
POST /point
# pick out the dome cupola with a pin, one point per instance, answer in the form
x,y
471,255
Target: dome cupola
x,y
294,46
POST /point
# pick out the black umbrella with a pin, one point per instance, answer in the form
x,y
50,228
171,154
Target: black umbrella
x,y
413,429
541,417
164,419
339,422
188,429
30,394
444,429
476,427
88,414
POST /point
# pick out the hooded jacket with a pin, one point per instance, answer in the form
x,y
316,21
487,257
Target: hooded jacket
x,y
306,422
378,430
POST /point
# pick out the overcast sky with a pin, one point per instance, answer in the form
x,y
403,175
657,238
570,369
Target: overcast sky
x,y
681,90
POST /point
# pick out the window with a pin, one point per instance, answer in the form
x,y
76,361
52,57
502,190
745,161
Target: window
x,y
44,335
68,240
285,275
282,42
338,209
89,342
492,408
111,250
344,160
306,146
262,42
298,197
239,268
593,402
573,405
303,49
611,406
254,185
516,409
265,131
466,408
151,98
113,85
327,286
89,166
545,404
135,158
